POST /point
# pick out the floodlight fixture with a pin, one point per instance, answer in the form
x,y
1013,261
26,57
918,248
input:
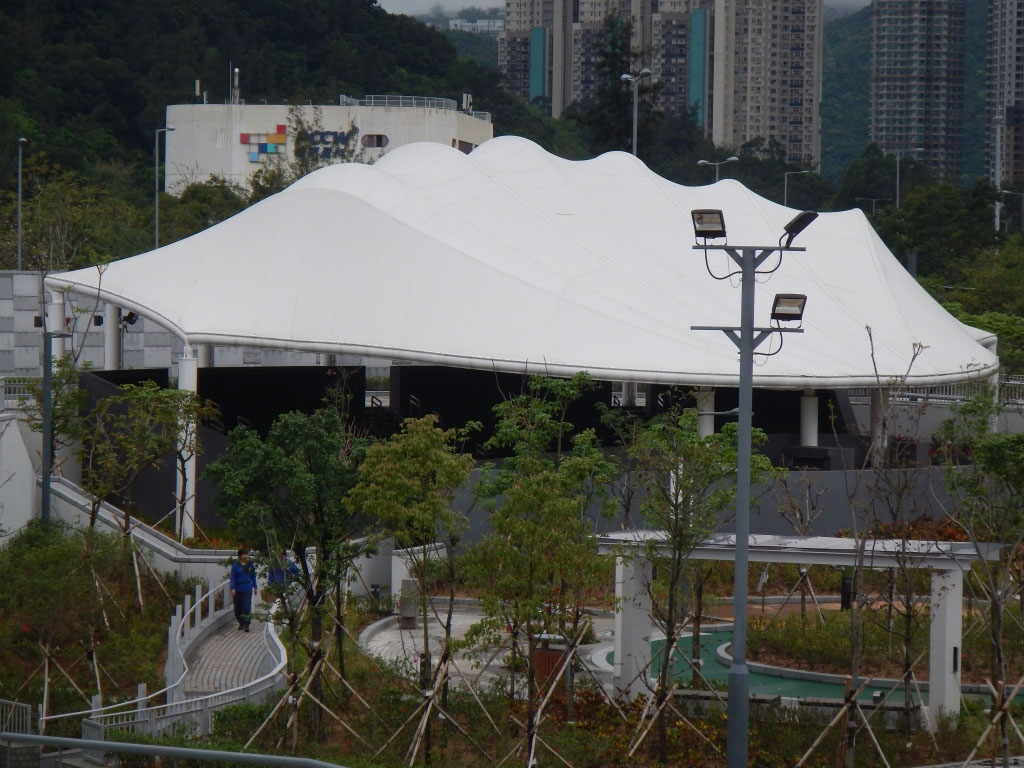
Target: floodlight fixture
x,y
799,224
788,307
708,223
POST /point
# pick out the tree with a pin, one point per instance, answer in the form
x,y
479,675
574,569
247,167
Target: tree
x,y
540,559
988,504
406,486
121,437
289,488
685,485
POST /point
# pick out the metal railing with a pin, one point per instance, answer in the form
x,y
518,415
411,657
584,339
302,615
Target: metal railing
x,y
172,753
15,717
193,716
14,389
1011,391
424,102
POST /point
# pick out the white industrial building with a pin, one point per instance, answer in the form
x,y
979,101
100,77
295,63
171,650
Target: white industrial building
x,y
232,141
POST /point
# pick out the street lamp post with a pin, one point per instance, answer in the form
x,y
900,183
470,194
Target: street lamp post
x,y
47,470
1021,196
899,156
21,144
634,80
785,185
871,200
720,163
156,184
746,338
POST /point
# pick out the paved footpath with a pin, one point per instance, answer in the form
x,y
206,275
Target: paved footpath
x,y
227,659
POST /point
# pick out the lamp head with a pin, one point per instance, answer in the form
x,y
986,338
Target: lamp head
x,y
708,223
799,224
626,78
788,307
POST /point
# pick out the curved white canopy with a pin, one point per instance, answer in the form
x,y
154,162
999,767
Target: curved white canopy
x,y
513,259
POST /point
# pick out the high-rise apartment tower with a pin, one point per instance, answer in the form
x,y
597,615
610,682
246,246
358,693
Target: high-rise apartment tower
x,y
767,79
1004,145
917,80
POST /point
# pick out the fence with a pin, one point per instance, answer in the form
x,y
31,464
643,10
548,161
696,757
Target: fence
x,y
1011,392
14,389
170,754
193,716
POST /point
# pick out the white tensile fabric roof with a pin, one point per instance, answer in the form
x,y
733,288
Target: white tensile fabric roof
x,y
516,260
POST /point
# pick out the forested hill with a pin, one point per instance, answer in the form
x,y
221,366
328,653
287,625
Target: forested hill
x,y
89,80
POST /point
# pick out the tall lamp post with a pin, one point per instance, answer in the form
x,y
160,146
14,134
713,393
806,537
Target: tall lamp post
x,y
899,156
21,144
785,185
1021,196
708,224
48,337
872,200
720,163
156,184
634,80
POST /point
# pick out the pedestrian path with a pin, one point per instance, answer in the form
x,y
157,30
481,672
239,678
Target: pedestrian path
x,y
229,658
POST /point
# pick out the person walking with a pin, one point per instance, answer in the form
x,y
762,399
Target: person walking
x,y
281,576
243,584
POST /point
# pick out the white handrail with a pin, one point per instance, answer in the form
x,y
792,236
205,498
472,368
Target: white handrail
x,y
166,689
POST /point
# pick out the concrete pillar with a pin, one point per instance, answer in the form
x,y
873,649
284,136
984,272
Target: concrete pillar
x,y
632,625
188,379
186,630
55,321
111,337
944,644
205,355
809,418
705,407
879,425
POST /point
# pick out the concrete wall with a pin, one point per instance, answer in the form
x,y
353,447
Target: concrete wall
x,y
18,498
207,138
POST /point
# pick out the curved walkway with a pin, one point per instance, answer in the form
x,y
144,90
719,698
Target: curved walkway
x,y
227,659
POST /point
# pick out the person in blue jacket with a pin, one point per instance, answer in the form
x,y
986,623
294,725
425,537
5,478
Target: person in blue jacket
x,y
243,584
281,576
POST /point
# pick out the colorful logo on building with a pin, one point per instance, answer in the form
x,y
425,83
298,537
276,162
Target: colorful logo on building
x,y
261,144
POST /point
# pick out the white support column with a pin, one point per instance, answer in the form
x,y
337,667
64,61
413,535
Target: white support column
x,y
705,407
55,321
188,378
809,418
879,424
944,645
632,624
205,355
111,337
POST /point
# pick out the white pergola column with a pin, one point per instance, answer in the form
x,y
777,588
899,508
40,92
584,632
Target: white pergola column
x,y
188,379
809,418
111,337
205,355
944,644
879,424
632,625
54,321
705,408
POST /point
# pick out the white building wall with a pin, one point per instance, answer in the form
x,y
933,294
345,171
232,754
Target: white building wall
x,y
207,139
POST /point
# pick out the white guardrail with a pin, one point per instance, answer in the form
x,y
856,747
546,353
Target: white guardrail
x,y
1011,392
193,716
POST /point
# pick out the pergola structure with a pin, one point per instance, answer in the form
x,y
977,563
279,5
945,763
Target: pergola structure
x,y
946,560
512,259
